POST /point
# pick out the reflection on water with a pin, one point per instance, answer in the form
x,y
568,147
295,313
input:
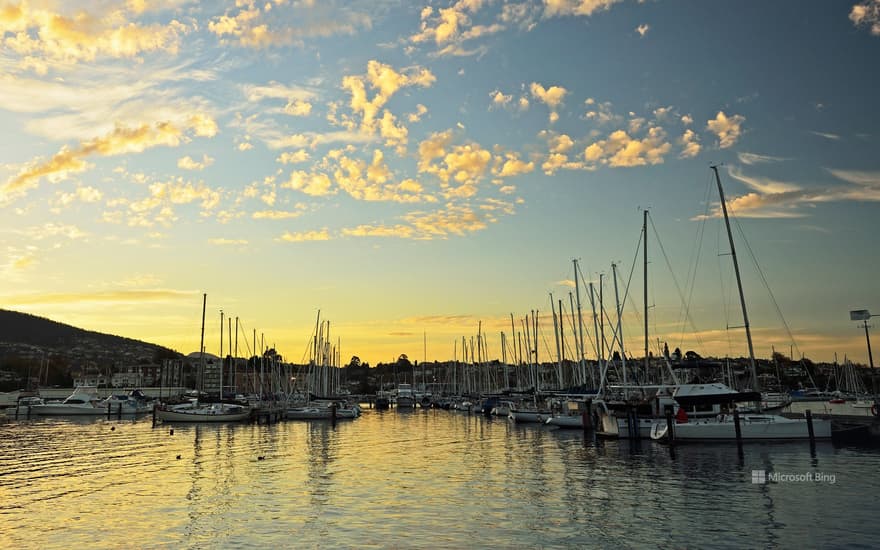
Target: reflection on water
x,y
414,479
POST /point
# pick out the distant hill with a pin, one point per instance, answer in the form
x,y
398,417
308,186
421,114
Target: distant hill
x,y
25,336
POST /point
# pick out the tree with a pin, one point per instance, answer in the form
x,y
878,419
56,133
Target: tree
x,y
355,361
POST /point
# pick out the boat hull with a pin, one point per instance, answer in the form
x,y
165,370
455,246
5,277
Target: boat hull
x,y
566,421
207,414
752,428
530,416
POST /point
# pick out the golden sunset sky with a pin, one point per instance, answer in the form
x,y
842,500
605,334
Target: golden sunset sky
x,y
414,170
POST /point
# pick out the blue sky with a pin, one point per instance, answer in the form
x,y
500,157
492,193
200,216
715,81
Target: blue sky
x,y
415,169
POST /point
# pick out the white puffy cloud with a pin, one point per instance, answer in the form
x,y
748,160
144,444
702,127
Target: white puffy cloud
x,y
728,129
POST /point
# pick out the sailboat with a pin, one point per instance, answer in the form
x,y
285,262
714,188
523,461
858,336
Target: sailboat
x,y
752,426
194,411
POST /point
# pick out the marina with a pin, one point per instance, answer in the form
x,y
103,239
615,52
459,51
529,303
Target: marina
x,y
418,478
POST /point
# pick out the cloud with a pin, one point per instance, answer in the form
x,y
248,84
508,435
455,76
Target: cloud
x,y
374,182
601,113
619,149
276,214
316,184
832,137
293,158
450,28
867,14
268,24
690,144
319,235
552,97
187,163
228,242
513,166
121,141
775,199
728,129
764,186
52,229
753,158
82,194
559,8
643,29
500,99
385,82
44,39
118,296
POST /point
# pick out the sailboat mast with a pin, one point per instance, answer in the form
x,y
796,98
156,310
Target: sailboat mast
x,y
577,293
742,299
202,346
645,251
221,355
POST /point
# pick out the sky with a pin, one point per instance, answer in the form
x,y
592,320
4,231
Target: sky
x,y
418,173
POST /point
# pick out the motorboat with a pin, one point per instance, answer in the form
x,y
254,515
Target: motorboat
x,y
203,412
83,401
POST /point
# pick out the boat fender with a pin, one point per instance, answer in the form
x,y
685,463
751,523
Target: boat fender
x,y
874,409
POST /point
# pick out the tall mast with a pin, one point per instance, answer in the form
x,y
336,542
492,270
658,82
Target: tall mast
x,y
742,299
221,355
619,322
581,353
645,250
202,347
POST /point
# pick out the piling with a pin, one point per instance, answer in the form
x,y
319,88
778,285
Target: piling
x,y
812,435
154,416
333,414
670,427
119,411
16,410
736,426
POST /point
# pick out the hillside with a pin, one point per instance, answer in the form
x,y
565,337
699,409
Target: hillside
x,y
26,337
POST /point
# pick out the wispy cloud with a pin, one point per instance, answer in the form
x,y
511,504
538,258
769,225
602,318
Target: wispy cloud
x,y
826,135
118,296
754,158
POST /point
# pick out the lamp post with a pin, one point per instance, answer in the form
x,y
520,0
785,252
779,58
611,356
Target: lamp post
x,y
864,315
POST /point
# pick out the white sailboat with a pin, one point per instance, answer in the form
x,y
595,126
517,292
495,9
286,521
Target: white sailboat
x,y
752,426
194,411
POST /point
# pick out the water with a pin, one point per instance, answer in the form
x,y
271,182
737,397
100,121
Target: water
x,y
417,479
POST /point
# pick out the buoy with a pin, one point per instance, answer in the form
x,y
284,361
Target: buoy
x,y
112,428
261,458
178,457
171,431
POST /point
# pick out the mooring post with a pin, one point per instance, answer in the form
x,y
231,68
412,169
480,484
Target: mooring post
x,y
736,426
119,411
809,416
108,411
154,415
670,427
333,414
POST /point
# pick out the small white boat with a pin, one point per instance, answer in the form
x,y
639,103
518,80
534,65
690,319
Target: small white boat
x,y
207,412
321,411
83,401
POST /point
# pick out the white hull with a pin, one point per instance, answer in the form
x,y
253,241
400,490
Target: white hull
x,y
567,421
59,409
318,413
210,413
753,427
529,416
618,426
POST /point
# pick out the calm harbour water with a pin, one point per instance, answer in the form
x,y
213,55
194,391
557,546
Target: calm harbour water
x,y
416,479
